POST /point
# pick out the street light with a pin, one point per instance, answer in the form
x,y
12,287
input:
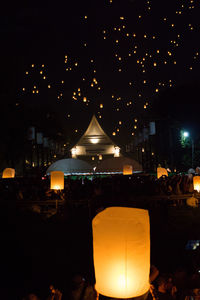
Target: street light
x,y
186,134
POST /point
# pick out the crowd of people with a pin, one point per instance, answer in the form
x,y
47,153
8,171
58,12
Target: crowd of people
x,y
100,192
178,285
138,189
110,186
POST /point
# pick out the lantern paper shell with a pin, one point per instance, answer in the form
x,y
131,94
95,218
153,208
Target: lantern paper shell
x,y
193,202
57,180
127,170
196,183
121,251
8,173
161,172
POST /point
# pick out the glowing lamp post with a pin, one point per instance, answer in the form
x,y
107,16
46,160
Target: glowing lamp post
x,y
127,170
116,152
57,180
121,250
185,136
8,173
196,183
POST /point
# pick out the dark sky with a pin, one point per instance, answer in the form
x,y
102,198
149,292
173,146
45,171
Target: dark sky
x,y
107,57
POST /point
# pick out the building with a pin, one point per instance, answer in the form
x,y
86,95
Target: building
x,y
95,144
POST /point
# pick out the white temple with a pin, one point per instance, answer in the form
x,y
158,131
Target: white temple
x,y
95,143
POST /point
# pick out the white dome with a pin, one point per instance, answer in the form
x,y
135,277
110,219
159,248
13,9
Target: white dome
x,y
116,164
70,166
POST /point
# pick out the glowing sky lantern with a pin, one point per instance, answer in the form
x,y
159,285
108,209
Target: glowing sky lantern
x,y
192,201
161,172
121,251
127,170
196,182
116,39
8,173
57,180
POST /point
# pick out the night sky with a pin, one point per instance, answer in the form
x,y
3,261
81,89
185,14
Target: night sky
x,y
108,57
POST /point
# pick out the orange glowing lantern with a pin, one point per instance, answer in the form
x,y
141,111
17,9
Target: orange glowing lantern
x,y
121,251
192,201
8,173
127,170
196,183
57,180
161,172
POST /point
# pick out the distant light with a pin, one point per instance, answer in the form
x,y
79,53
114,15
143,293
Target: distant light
x,y
73,152
116,152
94,140
186,134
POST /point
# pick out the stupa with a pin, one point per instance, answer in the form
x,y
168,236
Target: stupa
x,y
95,143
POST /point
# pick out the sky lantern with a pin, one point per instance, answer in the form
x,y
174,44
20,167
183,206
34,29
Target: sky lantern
x,y
57,180
161,172
127,170
8,173
192,201
196,182
121,251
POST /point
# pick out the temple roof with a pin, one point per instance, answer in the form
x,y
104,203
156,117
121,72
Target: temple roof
x,y
95,135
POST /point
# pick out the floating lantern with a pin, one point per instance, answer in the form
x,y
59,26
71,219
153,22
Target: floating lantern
x,y
192,201
161,172
121,251
127,170
57,180
196,183
8,173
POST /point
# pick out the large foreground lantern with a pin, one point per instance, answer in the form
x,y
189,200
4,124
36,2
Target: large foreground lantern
x,y
196,183
121,250
127,170
8,173
57,180
161,172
